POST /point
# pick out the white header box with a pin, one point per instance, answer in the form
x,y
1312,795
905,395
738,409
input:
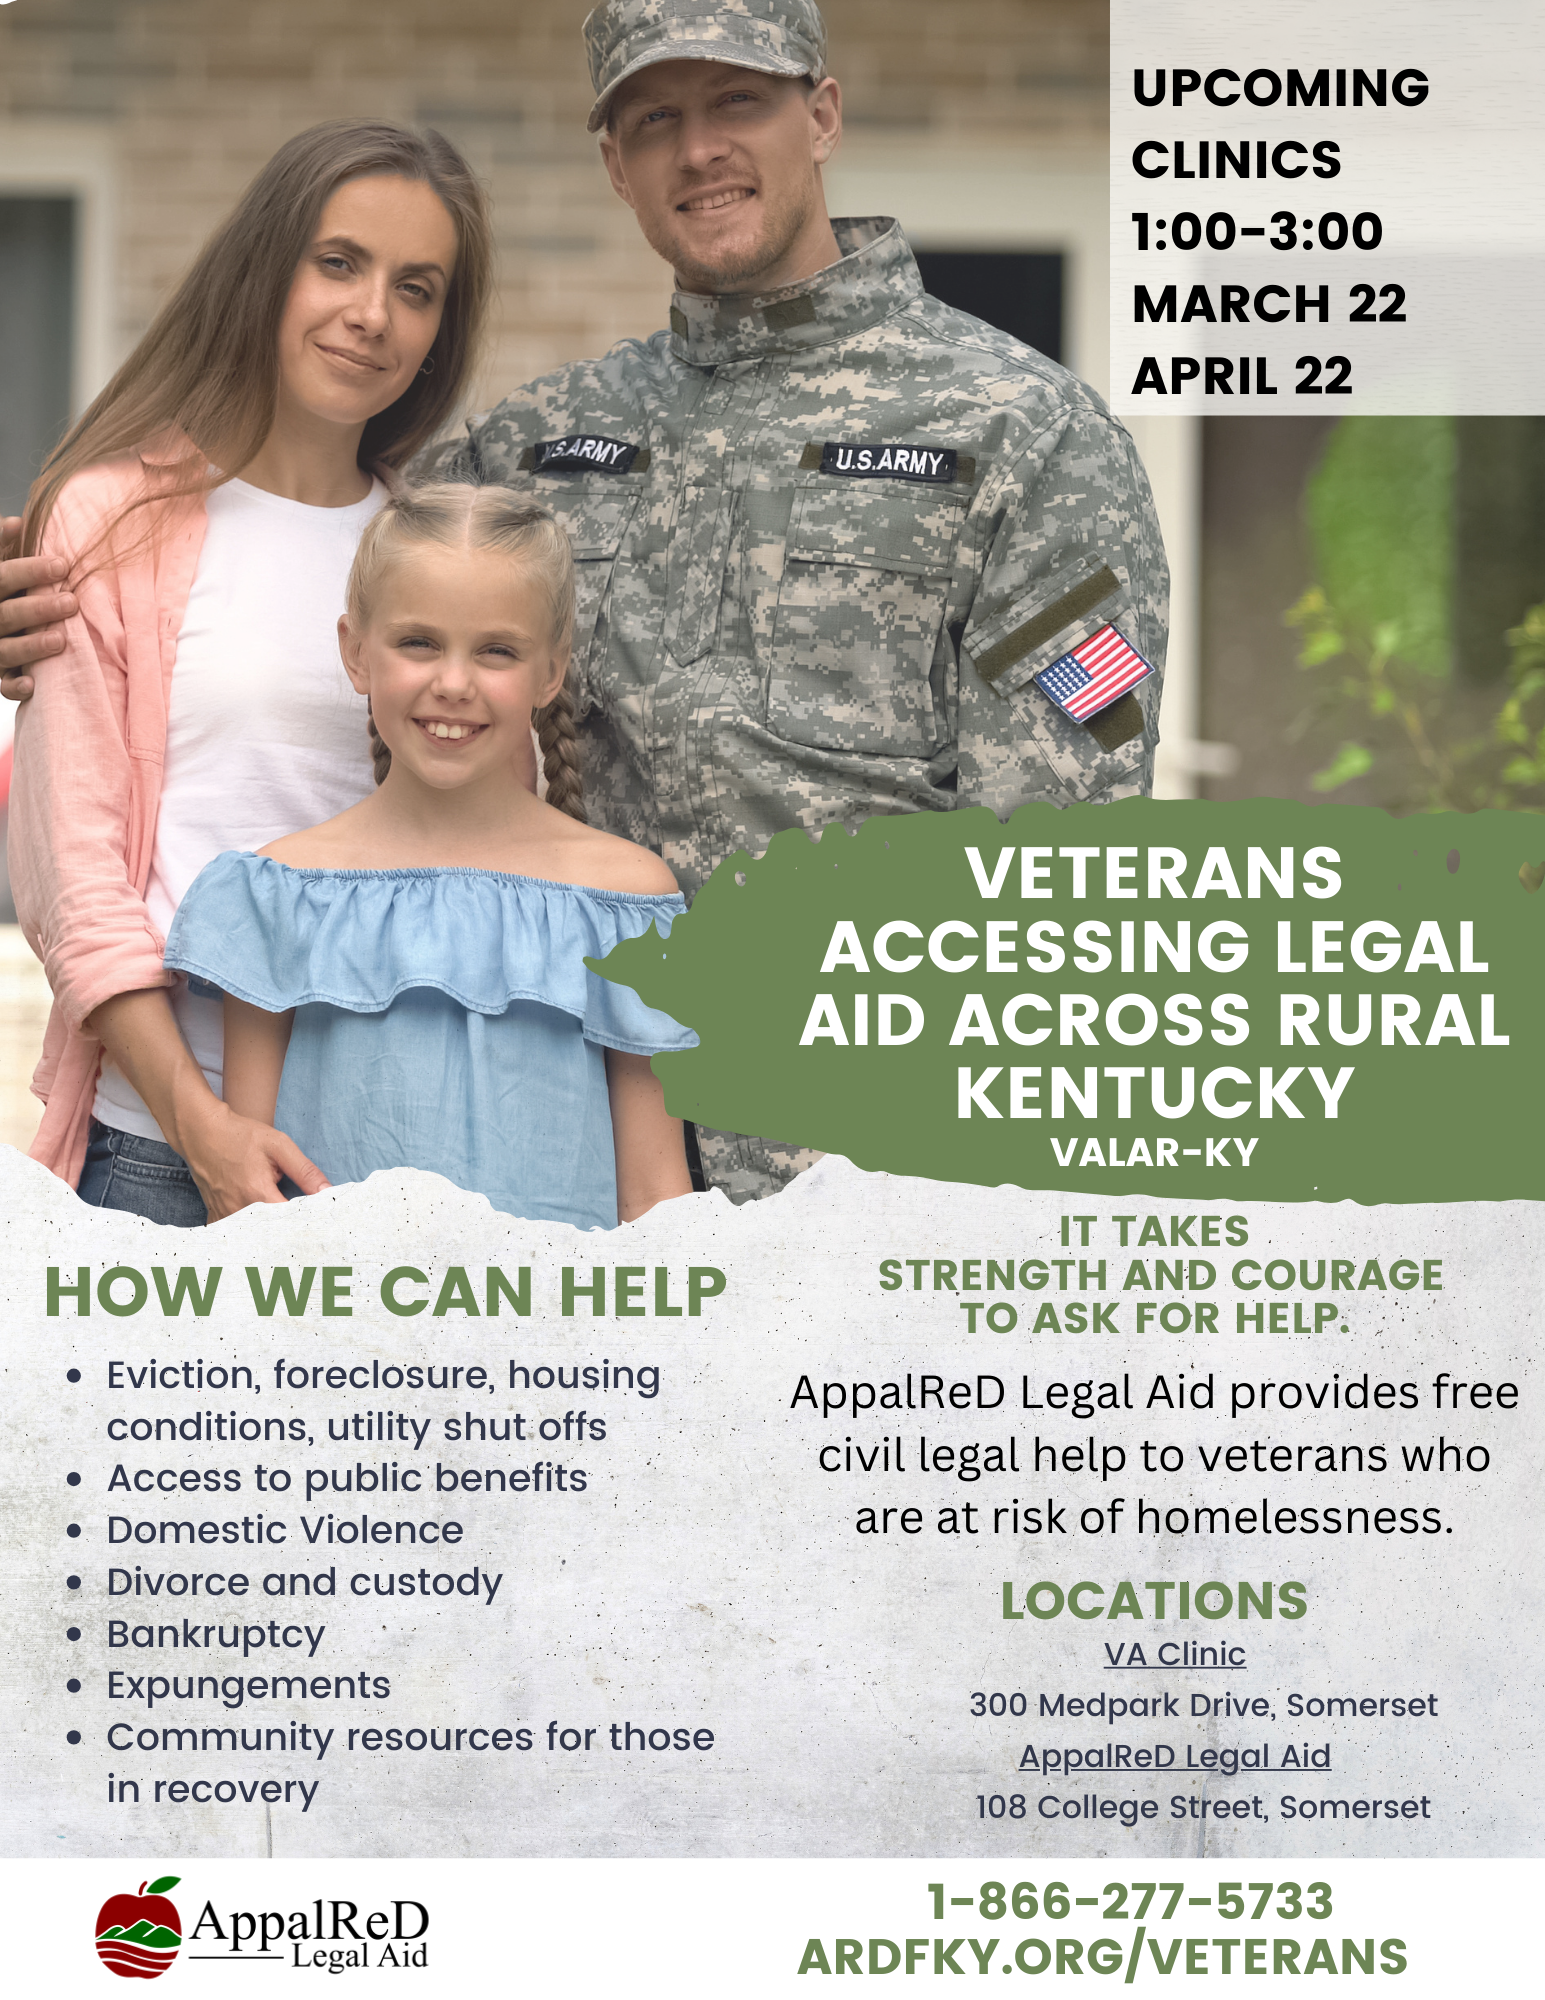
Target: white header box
x,y
1324,209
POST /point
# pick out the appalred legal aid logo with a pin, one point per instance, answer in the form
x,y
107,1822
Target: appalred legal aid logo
x,y
139,1936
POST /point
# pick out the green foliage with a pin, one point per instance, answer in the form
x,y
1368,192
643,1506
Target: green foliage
x,y
1365,680
1376,631
1350,761
1381,513
1521,723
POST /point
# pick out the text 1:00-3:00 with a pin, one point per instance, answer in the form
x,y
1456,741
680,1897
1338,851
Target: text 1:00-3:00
x,y
1331,231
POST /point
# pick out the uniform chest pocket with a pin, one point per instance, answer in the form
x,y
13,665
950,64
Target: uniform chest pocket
x,y
860,610
596,522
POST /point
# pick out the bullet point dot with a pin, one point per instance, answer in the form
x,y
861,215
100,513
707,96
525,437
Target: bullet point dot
x,y
73,1632
73,1737
73,1530
73,1686
72,1374
72,1479
73,1582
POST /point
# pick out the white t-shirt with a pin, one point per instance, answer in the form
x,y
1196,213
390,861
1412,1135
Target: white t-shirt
x,y
264,734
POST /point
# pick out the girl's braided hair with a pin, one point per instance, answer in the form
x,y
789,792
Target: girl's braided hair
x,y
484,517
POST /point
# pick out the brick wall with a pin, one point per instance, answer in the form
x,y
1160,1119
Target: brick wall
x,y
195,94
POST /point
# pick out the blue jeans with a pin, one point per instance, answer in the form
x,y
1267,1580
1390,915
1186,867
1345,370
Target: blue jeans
x,y
143,1176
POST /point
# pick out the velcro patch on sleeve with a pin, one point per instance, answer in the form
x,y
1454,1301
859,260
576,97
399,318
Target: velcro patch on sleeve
x,y
933,465
1117,724
582,453
1056,617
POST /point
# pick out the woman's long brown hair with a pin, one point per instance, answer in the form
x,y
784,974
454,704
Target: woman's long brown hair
x,y
208,368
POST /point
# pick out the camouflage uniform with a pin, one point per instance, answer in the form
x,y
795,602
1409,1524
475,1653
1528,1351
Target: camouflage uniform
x,y
776,630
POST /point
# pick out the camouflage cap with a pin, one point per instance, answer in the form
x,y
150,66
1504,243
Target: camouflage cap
x,y
781,37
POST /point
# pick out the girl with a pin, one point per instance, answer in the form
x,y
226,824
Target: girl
x,y
405,984
209,504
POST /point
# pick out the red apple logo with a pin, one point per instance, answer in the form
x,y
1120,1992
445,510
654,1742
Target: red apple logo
x,y
139,1936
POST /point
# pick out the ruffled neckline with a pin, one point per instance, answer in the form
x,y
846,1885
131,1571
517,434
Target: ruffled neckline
x,y
672,897
281,937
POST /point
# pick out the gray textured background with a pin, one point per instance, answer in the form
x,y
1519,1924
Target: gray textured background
x,y
711,1576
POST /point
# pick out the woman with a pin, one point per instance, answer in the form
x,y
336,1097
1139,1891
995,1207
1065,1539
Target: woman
x,y
209,504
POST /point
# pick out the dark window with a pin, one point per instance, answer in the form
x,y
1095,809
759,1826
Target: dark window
x,y
1499,536
1019,291
37,335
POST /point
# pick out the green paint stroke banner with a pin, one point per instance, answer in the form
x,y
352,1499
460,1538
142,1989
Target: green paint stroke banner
x,y
1258,1000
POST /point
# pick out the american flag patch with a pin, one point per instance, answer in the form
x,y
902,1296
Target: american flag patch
x,y
1094,674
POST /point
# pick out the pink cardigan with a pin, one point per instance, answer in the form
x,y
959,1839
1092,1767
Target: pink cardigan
x,y
89,751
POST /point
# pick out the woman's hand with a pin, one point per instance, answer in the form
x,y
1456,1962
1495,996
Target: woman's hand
x,y
234,1160
237,1161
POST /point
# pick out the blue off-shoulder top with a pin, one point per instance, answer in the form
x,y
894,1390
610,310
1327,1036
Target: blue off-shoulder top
x,y
444,1019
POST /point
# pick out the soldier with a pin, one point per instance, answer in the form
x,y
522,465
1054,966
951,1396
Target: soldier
x,y
829,531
